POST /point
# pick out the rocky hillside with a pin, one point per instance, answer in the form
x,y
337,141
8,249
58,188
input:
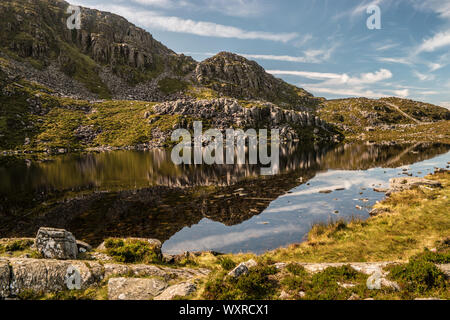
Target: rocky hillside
x,y
236,76
107,53
112,58
362,114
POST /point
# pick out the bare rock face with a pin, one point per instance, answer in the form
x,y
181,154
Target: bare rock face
x,y
179,290
56,244
134,289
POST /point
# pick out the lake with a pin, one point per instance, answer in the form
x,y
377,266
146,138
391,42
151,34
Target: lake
x,y
226,208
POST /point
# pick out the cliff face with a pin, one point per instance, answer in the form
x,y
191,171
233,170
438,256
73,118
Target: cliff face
x,y
113,58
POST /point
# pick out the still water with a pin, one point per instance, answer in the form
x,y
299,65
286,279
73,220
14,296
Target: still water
x,y
194,208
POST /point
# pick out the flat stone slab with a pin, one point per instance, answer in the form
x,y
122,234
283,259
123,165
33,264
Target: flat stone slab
x,y
134,288
179,290
142,270
367,268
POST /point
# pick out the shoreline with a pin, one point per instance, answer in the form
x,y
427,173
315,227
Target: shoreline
x,y
323,240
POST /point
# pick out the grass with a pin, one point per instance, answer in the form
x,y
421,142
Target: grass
x,y
256,285
132,251
114,123
172,85
354,116
418,218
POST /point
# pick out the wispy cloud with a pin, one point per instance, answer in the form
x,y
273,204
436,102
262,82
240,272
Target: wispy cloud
x,y
154,20
309,75
235,8
364,78
405,61
309,56
345,85
438,41
424,77
441,7
210,29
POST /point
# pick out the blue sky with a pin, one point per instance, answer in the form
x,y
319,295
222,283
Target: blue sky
x,y
323,46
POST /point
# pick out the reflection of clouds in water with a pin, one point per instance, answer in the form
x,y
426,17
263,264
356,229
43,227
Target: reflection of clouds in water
x,y
333,180
316,207
223,240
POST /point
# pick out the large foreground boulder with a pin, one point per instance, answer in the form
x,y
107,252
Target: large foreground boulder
x,y
56,244
43,276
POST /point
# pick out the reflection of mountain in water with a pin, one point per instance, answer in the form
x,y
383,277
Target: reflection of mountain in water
x,y
176,197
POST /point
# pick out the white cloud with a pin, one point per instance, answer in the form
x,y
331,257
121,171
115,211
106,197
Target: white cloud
x,y
153,20
310,56
445,104
210,29
395,60
309,75
387,47
438,41
235,8
435,66
345,85
364,78
424,77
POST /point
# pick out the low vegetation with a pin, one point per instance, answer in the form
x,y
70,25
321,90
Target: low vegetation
x,y
132,251
418,218
364,119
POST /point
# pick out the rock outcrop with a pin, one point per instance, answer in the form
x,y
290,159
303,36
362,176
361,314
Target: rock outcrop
x,y
18,275
228,113
236,76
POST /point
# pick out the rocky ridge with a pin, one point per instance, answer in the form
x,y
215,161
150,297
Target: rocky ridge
x,y
228,113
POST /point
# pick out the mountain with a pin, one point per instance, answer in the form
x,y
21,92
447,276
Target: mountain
x,y
112,58
112,85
